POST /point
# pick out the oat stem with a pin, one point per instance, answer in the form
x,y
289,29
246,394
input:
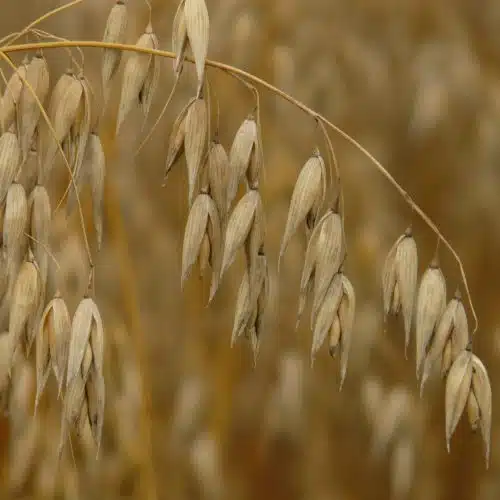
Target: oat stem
x,y
275,90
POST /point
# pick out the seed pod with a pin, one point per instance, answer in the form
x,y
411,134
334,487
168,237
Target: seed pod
x,y
196,128
400,280
10,159
452,335
52,343
15,224
308,196
326,314
179,38
481,388
115,32
346,312
25,301
431,303
176,140
86,328
40,215
135,76
240,156
10,100
458,386
63,117
28,173
328,258
37,78
197,27
218,177
203,214
247,211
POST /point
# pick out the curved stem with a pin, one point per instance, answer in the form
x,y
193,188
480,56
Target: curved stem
x,y
275,90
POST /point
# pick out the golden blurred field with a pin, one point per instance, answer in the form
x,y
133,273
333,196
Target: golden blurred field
x,y
417,82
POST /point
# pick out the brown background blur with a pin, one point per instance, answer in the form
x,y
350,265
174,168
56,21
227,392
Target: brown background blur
x,y
417,82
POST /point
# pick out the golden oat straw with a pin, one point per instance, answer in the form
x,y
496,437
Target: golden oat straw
x,y
15,224
37,77
195,138
431,304
26,296
115,32
451,338
179,38
197,27
203,222
140,78
243,150
52,344
399,280
10,160
9,101
307,198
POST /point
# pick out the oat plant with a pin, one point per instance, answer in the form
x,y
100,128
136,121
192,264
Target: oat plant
x,y
44,132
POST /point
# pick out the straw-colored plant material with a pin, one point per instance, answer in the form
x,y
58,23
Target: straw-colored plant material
x,y
217,167
115,32
431,303
28,173
197,27
37,77
15,224
307,198
10,160
179,38
10,99
140,78
399,280
451,338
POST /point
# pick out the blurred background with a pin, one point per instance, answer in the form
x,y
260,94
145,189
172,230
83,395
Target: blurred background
x,y
417,82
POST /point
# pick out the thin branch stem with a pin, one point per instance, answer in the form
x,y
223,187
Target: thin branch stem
x,y
259,81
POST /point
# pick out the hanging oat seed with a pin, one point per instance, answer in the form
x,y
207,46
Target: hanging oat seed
x,y
481,388
196,128
37,77
15,224
307,198
137,78
431,303
451,338
10,100
197,27
28,173
115,32
95,398
10,160
218,177
458,385
179,38
240,156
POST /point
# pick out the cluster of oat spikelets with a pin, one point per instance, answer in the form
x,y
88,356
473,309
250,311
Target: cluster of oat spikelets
x,y
219,224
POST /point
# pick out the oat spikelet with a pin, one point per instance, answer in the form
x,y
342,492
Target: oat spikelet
x,y
179,38
151,82
10,159
95,394
115,32
399,279
473,411
10,99
240,155
307,198
86,328
431,303
481,388
452,335
346,313
15,223
97,174
218,177
197,27
135,75
52,344
37,76
28,173
25,301
239,226
196,128
458,386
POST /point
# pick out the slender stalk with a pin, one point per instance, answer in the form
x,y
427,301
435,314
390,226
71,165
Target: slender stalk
x,y
255,79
